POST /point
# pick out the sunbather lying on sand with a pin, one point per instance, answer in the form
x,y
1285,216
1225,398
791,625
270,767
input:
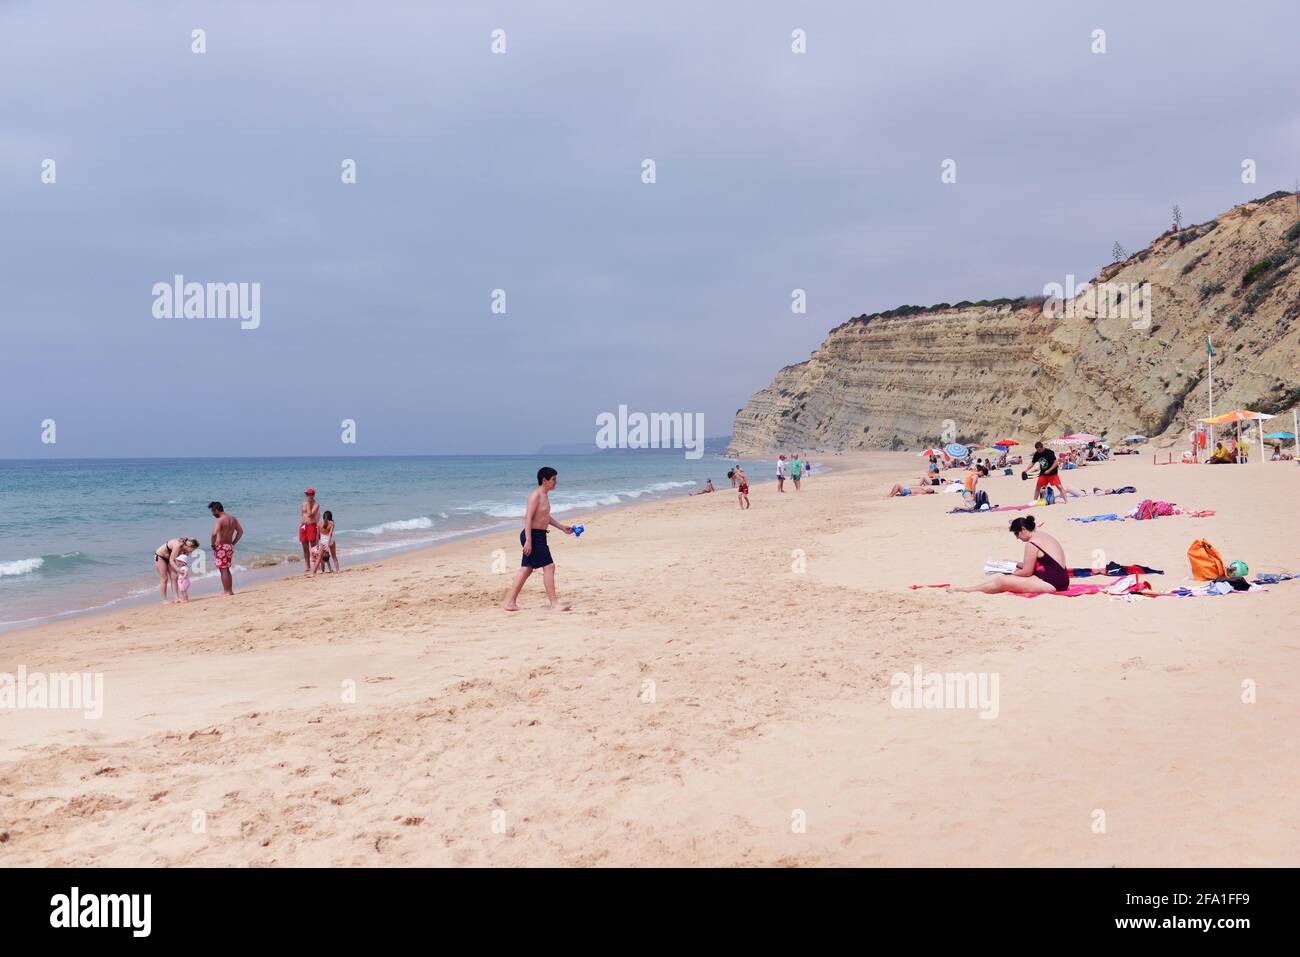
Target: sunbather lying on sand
x,y
904,490
1043,569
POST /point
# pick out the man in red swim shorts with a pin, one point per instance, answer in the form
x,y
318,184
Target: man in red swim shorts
x,y
309,530
1048,467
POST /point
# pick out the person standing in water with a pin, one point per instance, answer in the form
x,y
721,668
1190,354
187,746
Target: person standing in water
x,y
537,553
226,533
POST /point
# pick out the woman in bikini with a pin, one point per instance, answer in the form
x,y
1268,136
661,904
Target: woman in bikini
x,y
1043,569
164,563
326,545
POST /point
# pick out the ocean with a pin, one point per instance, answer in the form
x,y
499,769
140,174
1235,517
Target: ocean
x,y
77,535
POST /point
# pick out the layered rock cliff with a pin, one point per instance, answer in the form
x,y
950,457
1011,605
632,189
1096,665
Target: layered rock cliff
x,y
984,371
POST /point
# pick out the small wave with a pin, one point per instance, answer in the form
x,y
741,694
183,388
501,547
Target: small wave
x,y
657,487
560,504
46,564
403,525
21,566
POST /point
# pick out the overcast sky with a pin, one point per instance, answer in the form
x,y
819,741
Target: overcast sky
x,y
522,171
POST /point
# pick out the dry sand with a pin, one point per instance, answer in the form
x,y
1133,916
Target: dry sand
x,y
483,738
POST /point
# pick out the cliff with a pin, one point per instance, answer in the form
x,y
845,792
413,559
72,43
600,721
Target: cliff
x,y
989,370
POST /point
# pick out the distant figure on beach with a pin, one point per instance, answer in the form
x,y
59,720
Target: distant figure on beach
x,y
708,485
782,470
308,531
903,490
1045,460
537,553
226,533
1043,568
796,470
327,542
742,488
807,470
164,561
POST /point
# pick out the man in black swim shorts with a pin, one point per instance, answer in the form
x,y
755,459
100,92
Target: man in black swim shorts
x,y
537,551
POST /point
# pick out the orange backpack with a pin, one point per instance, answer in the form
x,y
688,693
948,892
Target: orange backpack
x,y
1207,564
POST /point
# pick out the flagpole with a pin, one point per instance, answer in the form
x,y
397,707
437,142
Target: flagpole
x,y
1209,358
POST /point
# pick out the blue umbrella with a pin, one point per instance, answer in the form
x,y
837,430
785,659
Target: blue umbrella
x,y
957,451
1280,435
1135,438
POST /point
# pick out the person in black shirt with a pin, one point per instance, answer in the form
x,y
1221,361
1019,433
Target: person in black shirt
x,y
1045,459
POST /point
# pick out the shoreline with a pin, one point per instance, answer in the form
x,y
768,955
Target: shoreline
x,y
257,577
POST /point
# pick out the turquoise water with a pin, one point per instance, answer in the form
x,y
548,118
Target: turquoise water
x,y
78,535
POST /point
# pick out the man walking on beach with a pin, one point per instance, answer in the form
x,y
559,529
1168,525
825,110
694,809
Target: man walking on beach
x,y
537,553
309,529
1045,459
226,534
781,469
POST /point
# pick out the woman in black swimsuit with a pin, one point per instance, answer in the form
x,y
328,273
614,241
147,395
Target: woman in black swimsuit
x,y
165,566
1042,570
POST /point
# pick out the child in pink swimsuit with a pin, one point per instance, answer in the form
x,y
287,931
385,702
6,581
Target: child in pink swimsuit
x,y
183,578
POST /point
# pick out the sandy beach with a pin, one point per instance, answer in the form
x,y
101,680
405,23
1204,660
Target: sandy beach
x,y
715,697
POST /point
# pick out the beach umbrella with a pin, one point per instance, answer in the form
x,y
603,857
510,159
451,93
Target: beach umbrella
x,y
1135,437
1280,435
1064,440
1239,416
1236,415
926,453
1083,437
1006,443
986,453
957,451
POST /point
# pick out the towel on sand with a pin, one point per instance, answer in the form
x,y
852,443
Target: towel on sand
x,y
1114,568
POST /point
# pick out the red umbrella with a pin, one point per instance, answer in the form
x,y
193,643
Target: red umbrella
x,y
1007,443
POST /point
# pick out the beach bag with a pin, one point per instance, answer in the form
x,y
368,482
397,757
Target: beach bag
x,y
982,499
1205,561
1147,509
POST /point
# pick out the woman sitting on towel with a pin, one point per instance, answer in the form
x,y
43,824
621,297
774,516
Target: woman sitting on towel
x,y
1043,569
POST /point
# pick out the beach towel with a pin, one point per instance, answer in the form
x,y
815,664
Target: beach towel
x,y
999,508
1114,568
1108,517
1272,578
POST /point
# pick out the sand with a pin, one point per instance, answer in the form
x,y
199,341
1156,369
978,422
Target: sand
x,y
705,703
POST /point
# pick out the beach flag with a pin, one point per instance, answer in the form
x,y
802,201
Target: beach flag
x,y
1209,349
